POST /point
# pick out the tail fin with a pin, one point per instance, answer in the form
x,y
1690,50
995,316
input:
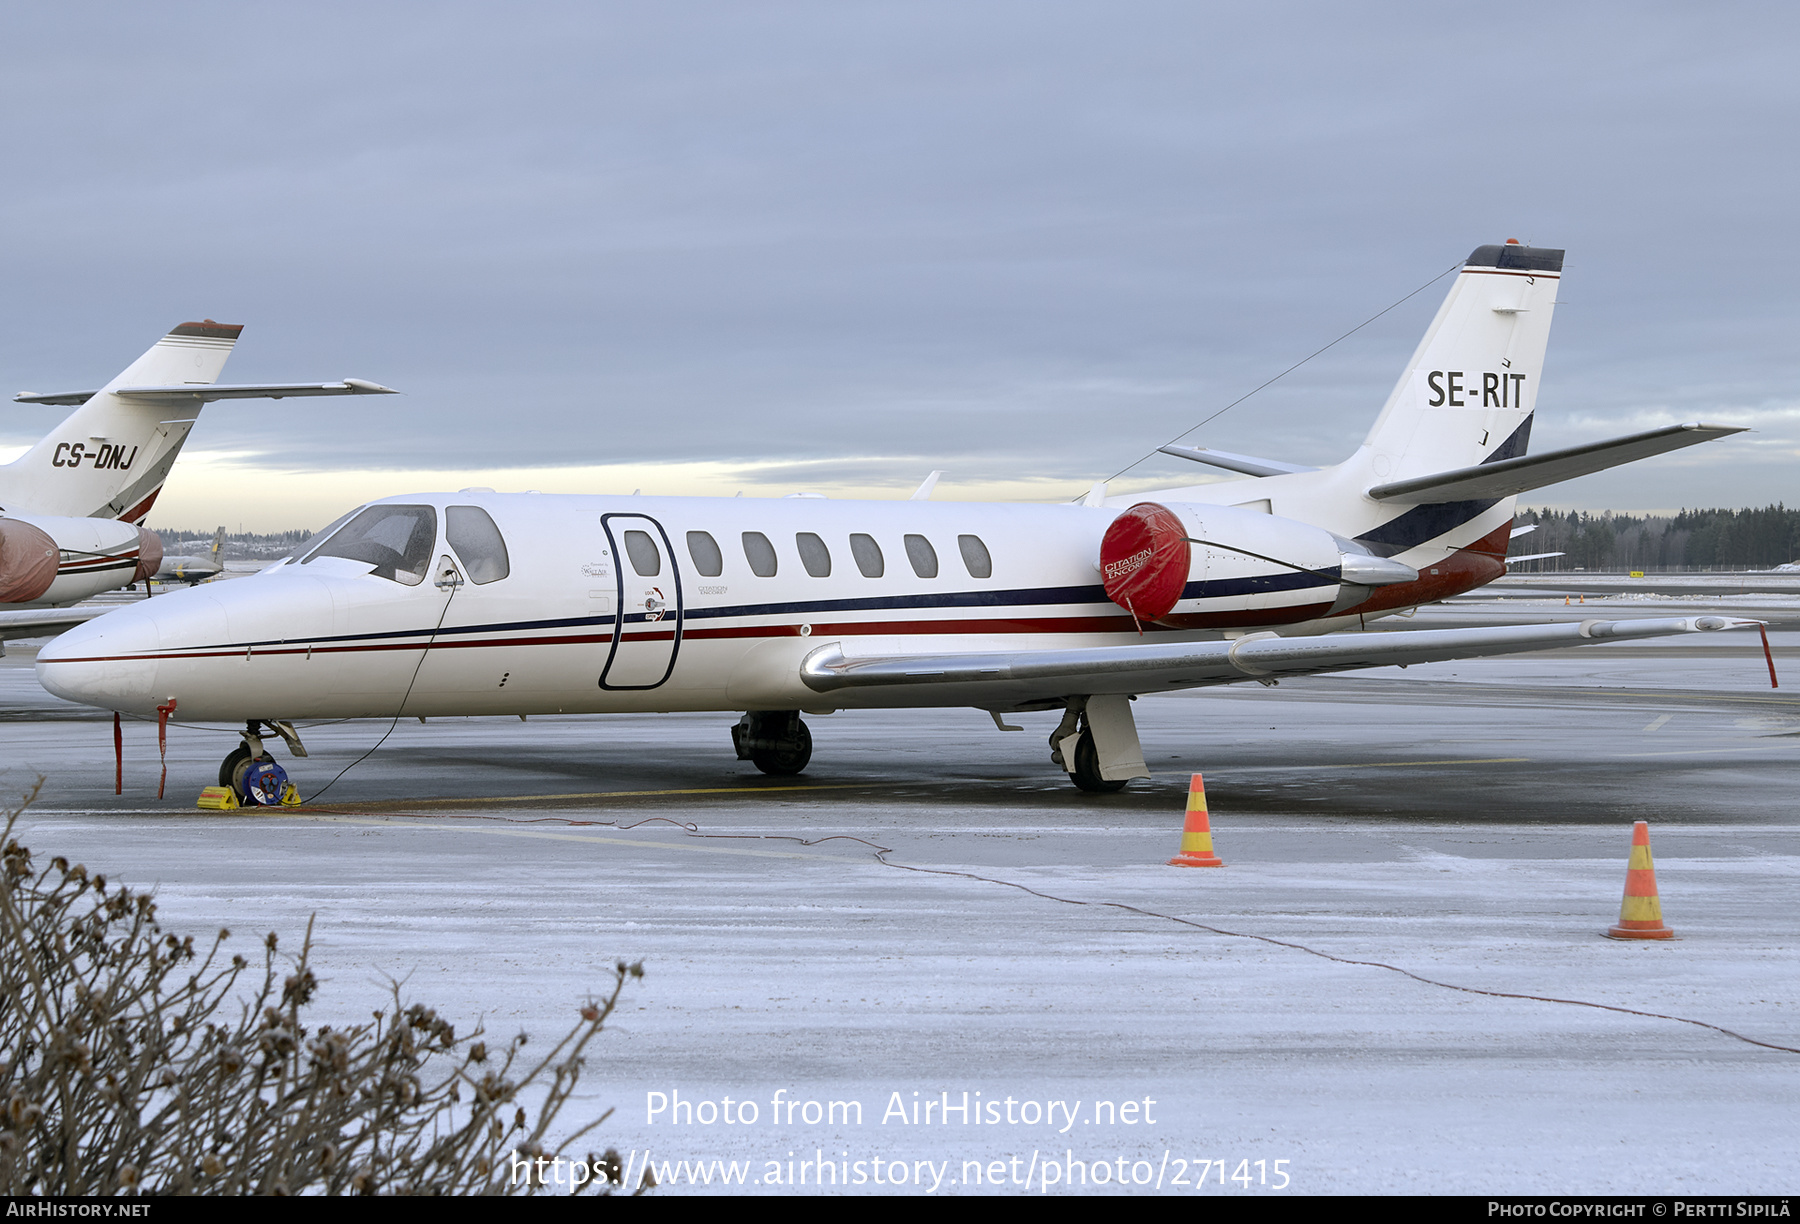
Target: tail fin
x,y
1468,393
218,543
109,458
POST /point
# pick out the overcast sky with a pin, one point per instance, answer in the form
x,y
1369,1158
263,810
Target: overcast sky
x,y
698,248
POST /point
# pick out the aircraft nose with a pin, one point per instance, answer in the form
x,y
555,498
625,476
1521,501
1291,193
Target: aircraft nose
x,y
109,662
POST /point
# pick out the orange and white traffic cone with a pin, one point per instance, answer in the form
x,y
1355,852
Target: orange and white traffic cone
x,y
1640,916
1196,834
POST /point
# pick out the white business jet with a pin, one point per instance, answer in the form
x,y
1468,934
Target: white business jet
x,y
477,603
72,506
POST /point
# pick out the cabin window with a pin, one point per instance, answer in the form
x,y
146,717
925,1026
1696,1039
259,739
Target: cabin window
x,y
868,555
922,555
472,533
813,554
396,540
975,556
645,558
760,554
705,552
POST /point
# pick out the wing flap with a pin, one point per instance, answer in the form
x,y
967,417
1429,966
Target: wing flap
x,y
1512,476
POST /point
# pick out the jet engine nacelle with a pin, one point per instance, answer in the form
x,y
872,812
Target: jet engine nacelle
x,y
50,560
1196,566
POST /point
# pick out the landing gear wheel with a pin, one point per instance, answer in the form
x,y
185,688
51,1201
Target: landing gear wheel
x,y
233,768
788,759
1086,773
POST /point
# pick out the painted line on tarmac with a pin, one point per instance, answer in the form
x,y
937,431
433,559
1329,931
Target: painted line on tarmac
x,y
1707,751
546,835
1225,769
476,800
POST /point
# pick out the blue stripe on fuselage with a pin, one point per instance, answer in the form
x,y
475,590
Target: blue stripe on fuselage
x,y
1025,598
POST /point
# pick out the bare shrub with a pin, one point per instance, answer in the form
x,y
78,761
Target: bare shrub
x,y
131,1062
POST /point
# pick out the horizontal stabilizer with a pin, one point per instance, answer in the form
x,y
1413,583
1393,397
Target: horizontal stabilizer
x,y
1534,557
44,622
1249,465
1521,475
1002,679
213,391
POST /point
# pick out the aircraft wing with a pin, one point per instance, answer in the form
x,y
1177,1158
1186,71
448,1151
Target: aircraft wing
x,y
215,391
1005,679
1511,476
43,622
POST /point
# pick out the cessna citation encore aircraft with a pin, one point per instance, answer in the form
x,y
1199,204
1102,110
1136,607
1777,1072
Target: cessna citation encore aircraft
x,y
72,506
483,603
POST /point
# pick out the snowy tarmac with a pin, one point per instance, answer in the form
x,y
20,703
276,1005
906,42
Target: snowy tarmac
x,y
1125,1021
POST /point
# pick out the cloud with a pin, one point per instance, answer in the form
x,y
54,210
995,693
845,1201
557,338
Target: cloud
x,y
1024,242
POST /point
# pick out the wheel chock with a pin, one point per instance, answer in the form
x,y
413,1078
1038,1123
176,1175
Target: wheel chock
x,y
218,799
1640,914
1196,834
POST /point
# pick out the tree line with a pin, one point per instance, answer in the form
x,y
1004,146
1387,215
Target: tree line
x,y
1691,540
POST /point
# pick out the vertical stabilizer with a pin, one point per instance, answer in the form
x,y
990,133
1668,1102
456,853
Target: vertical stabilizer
x,y
109,458
1468,393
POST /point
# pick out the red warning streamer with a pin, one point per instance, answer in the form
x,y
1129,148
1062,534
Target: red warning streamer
x,y
162,742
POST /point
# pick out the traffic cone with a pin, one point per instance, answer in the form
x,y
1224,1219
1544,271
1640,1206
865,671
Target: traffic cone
x,y
1196,834
1640,915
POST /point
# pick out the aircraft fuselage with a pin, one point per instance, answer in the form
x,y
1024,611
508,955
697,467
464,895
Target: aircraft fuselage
x,y
619,604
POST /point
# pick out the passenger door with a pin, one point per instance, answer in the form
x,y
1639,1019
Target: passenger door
x,y
647,630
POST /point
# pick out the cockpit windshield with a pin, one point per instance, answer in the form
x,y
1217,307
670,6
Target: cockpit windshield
x,y
396,540
305,546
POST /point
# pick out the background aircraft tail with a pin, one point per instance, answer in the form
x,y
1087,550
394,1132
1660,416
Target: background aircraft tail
x,y
109,458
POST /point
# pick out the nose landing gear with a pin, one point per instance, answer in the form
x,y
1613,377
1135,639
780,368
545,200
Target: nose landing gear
x,y
251,772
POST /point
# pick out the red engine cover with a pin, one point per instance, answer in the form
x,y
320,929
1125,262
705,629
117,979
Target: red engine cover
x,y
1144,560
27,562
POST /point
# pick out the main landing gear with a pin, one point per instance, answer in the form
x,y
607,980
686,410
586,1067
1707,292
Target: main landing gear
x,y
1097,744
1084,769
239,768
775,741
